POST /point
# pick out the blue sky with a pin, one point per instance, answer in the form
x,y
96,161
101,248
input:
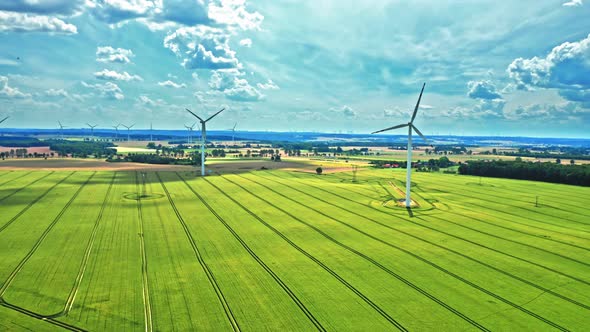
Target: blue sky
x,y
491,68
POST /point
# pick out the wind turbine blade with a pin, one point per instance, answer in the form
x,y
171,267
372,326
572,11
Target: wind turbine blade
x,y
214,115
132,125
198,117
419,133
390,128
235,126
4,119
417,104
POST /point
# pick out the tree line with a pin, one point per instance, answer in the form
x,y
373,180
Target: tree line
x,y
536,171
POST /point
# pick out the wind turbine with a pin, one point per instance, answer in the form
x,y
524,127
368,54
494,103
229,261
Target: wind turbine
x,y
204,136
190,132
128,127
233,133
411,127
61,130
91,129
151,135
117,130
4,119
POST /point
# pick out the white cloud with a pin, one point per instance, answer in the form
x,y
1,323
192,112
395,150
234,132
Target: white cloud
x,y
345,110
234,87
60,7
108,90
234,14
573,3
171,84
482,90
9,92
202,47
61,93
115,11
270,85
544,112
18,22
566,67
247,42
110,54
111,75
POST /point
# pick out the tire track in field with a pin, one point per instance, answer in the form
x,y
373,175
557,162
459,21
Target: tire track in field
x,y
147,306
515,207
518,198
448,234
39,241
72,296
511,221
369,259
24,187
440,268
372,304
31,314
277,279
212,280
16,178
536,236
3,227
539,287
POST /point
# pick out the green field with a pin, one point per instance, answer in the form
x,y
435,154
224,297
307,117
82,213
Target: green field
x,y
277,250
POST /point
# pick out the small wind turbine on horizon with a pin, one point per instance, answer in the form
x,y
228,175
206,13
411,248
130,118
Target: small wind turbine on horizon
x,y
128,128
4,119
233,133
204,136
190,132
61,130
91,129
411,127
117,130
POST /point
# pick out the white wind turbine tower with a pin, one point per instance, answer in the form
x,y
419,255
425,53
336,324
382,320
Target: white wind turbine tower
x,y
151,135
204,136
190,133
233,134
117,130
61,130
128,127
411,127
91,130
4,119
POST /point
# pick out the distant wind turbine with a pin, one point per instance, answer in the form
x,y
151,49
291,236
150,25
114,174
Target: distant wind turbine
x,y
204,136
117,130
233,133
61,130
190,132
91,130
128,127
411,127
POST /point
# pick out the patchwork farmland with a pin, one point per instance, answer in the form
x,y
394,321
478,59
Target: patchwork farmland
x,y
278,250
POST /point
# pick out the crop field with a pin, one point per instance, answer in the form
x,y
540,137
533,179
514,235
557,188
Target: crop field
x,y
279,250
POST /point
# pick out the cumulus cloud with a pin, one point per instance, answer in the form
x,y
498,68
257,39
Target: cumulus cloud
x,y
545,112
184,12
202,47
234,14
9,92
566,67
19,22
482,90
110,54
115,11
247,42
111,75
573,3
60,7
269,85
345,110
171,84
233,86
108,90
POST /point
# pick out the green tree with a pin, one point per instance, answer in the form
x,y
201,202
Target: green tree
x,y
319,171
